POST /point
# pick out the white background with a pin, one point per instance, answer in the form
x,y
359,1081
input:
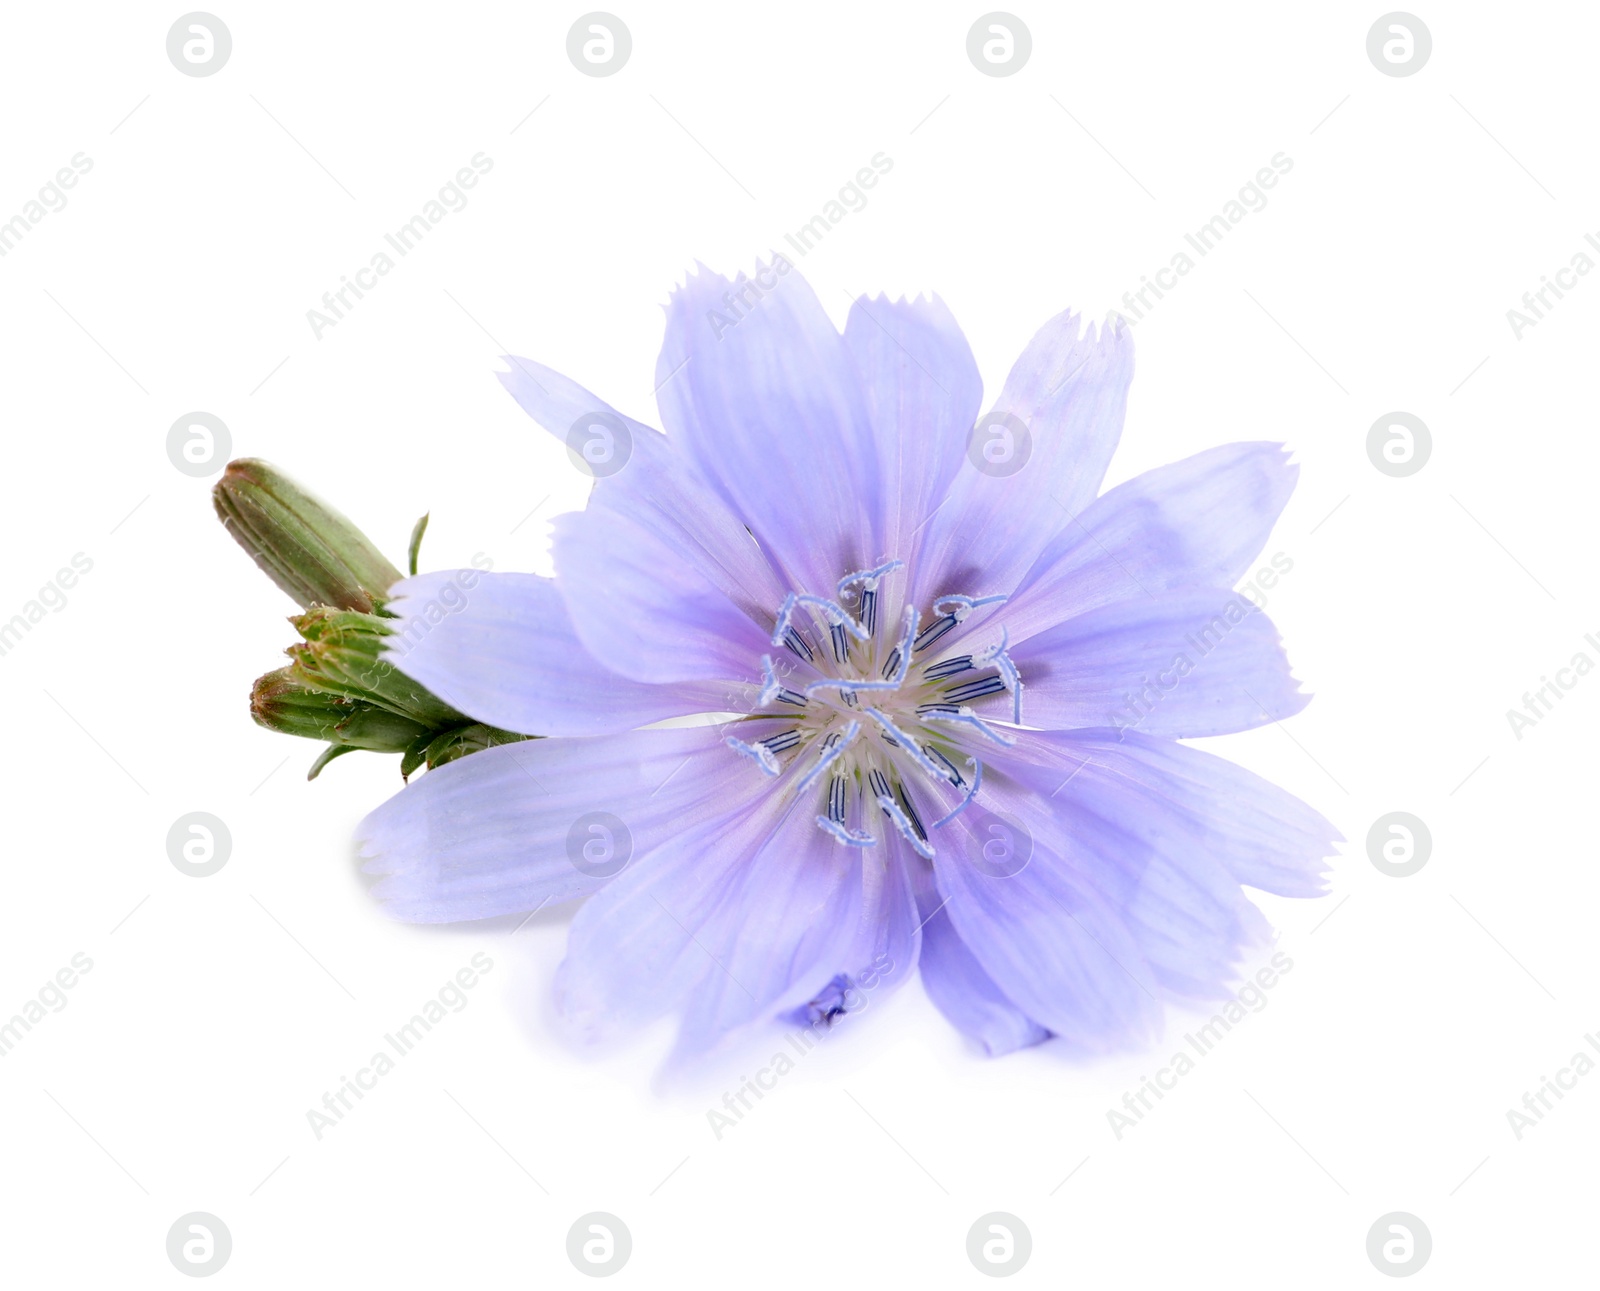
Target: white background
x,y
219,1010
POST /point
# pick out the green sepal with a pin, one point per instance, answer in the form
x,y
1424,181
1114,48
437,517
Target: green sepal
x,y
326,756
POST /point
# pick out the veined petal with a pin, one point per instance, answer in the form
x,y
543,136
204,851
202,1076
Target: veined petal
x,y
1194,523
1045,935
1201,661
634,952
1069,389
655,512
923,393
1262,835
965,994
505,830
792,914
1165,835
648,614
765,399
502,649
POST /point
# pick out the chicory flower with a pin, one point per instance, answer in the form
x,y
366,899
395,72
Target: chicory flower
x,y
940,681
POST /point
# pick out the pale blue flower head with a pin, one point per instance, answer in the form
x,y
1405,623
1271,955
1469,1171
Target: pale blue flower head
x,y
950,678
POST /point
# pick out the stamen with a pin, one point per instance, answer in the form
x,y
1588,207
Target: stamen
x,y
891,809
832,750
982,688
835,614
757,753
935,630
780,630
868,577
848,685
964,605
781,742
950,772
977,783
846,836
836,799
947,667
967,718
770,685
1013,682
958,609
784,634
923,761
911,812
1009,676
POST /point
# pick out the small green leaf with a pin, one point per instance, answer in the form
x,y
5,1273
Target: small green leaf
x,y
416,542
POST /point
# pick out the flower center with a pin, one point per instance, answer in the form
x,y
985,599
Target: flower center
x,y
871,721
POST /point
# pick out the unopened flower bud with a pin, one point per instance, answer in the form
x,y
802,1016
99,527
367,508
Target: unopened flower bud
x,y
281,702
342,653
306,547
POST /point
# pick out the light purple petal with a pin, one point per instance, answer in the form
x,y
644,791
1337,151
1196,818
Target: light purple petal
x,y
1046,936
635,951
1202,661
923,393
648,614
502,649
1194,523
965,994
1262,835
765,400
792,917
497,832
1166,835
1069,388
662,580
